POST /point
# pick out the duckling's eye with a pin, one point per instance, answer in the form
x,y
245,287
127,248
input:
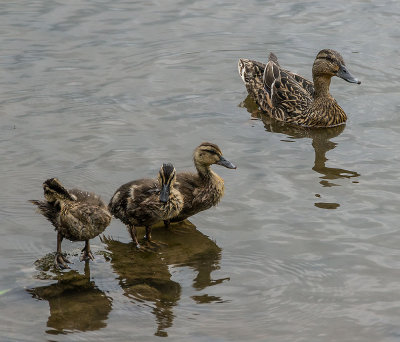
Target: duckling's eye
x,y
212,152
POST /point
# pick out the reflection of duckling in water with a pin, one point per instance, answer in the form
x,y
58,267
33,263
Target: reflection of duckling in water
x,y
204,189
145,277
145,202
150,280
320,141
75,303
76,215
291,98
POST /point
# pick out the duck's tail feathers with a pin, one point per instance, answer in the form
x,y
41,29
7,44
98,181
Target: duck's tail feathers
x,y
252,74
272,57
48,210
250,71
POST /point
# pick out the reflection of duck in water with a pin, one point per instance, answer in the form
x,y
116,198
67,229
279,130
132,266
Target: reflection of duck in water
x,y
75,303
320,141
145,277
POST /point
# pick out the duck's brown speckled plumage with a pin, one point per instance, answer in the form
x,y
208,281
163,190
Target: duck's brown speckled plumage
x,y
75,214
204,189
138,203
291,98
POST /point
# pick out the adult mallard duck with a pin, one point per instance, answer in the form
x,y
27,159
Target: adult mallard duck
x,y
291,98
204,189
145,202
76,215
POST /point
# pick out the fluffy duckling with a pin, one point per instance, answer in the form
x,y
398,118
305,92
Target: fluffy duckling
x,y
204,189
291,98
145,202
76,215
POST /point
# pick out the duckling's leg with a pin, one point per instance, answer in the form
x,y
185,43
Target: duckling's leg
x,y
60,261
166,224
148,233
87,253
132,231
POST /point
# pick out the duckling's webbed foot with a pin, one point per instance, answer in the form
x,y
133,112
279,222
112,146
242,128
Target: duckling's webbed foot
x,y
60,261
86,252
150,246
166,224
153,245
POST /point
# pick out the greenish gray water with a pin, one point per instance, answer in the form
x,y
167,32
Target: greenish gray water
x,y
305,244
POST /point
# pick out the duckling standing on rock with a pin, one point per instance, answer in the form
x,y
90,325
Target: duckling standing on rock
x,y
145,202
76,215
204,189
291,98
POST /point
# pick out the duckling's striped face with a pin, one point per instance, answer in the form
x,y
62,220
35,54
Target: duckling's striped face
x,y
166,179
330,63
208,154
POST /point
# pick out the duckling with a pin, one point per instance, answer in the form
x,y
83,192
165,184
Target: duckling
x,y
204,189
145,202
76,215
291,98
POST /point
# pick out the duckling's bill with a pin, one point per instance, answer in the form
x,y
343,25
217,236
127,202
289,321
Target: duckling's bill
x,y
224,162
164,193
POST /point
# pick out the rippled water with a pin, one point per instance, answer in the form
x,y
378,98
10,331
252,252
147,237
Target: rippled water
x,y
305,244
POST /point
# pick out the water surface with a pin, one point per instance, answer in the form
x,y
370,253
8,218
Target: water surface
x,y
305,244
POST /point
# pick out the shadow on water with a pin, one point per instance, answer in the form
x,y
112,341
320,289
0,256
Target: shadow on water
x,y
320,141
145,276
76,304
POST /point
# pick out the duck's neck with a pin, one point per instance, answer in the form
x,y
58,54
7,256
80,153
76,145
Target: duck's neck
x,y
204,170
321,87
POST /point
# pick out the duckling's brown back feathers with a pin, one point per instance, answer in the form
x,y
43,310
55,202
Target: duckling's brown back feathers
x,y
129,195
89,198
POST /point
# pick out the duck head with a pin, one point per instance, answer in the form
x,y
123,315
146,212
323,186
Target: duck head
x,y
166,179
330,63
55,191
207,154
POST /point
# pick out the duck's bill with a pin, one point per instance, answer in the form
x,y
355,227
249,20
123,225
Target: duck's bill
x,y
226,163
164,193
345,74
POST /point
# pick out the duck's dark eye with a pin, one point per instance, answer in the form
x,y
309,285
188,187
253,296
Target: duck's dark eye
x,y
211,151
328,58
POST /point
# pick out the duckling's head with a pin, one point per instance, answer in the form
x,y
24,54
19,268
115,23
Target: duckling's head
x,y
207,154
330,63
166,179
55,191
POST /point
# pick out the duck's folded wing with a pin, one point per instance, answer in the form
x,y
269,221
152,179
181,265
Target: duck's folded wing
x,y
273,71
304,83
289,95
